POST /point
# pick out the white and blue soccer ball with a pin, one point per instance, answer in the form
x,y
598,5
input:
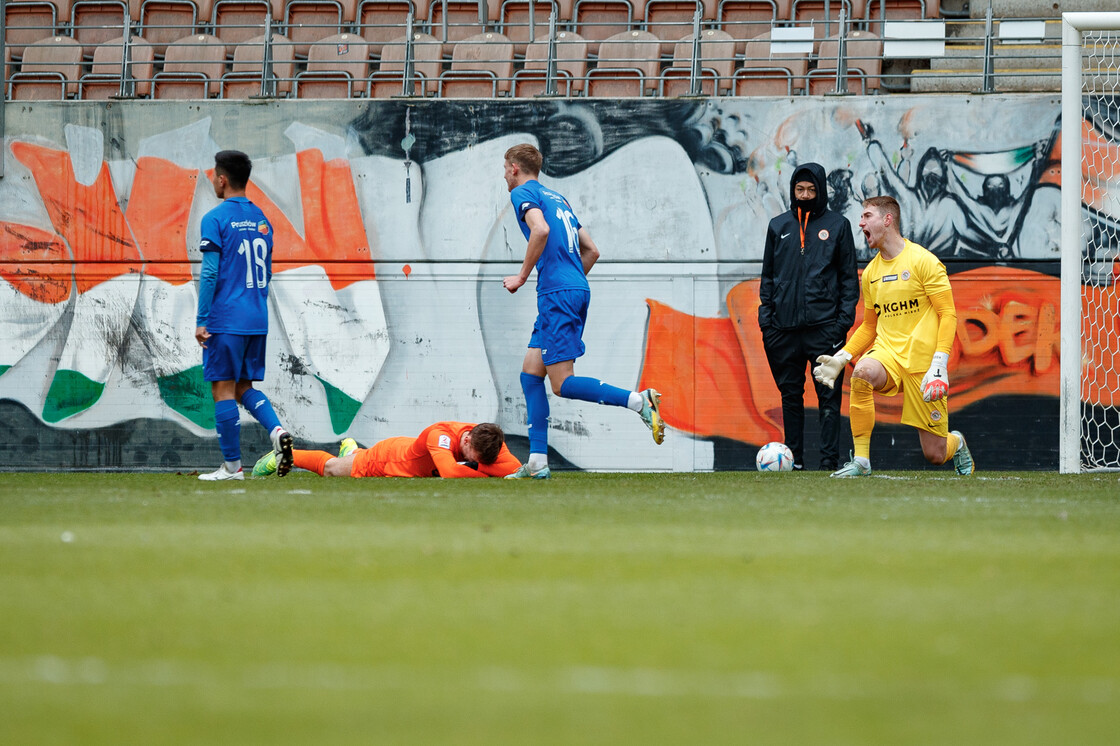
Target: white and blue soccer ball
x,y
774,457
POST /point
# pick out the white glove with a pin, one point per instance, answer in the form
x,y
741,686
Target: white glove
x,y
935,384
830,366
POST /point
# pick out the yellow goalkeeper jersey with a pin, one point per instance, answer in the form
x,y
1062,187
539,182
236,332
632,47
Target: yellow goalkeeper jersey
x,y
897,291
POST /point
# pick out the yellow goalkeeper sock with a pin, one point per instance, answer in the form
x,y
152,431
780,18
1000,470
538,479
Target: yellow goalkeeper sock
x,y
861,413
952,444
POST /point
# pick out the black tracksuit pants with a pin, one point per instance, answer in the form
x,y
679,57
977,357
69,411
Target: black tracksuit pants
x,y
792,352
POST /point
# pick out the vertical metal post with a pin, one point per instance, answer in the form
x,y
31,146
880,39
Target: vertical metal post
x,y
268,77
127,87
550,65
988,84
442,21
827,19
1072,252
694,72
483,16
4,78
532,20
408,84
842,58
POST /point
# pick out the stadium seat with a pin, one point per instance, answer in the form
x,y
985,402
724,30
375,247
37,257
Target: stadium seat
x,y
337,67
235,21
27,21
864,53
244,78
628,65
462,19
669,20
309,21
899,10
513,19
51,68
596,20
571,66
768,73
104,79
192,68
805,12
717,65
95,21
747,19
165,21
481,67
427,64
381,21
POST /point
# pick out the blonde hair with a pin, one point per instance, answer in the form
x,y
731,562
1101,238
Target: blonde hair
x,y
527,157
886,205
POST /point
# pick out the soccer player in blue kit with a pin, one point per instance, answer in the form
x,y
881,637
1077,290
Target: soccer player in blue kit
x,y
563,253
232,320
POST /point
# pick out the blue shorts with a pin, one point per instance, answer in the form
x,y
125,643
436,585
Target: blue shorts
x,y
558,330
233,357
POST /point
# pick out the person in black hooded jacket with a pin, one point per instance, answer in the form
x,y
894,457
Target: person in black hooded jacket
x,y
808,295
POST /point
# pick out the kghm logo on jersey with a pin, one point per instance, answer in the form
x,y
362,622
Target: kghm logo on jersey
x,y
262,228
900,306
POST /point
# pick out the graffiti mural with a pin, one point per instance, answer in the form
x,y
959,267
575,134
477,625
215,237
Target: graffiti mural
x,y
393,230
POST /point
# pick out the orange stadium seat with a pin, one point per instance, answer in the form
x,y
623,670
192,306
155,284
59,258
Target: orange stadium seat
x,y
807,12
104,78
481,67
669,20
165,21
717,65
628,65
235,21
244,78
596,20
95,21
767,73
462,19
427,65
337,67
27,21
864,55
192,68
514,21
381,21
51,68
310,21
571,66
746,19
899,10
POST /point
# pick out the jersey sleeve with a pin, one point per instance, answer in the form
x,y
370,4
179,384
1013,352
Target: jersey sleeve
x,y
507,463
440,442
523,200
934,277
211,233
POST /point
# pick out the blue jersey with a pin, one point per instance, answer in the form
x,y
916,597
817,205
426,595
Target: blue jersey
x,y
242,236
560,266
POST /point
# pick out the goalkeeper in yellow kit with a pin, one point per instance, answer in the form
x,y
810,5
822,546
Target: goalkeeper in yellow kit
x,y
909,322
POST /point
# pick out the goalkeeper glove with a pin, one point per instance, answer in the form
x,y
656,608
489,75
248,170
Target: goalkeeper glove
x,y
831,366
935,384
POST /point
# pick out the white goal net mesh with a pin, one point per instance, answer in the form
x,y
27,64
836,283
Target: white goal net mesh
x,y
1100,301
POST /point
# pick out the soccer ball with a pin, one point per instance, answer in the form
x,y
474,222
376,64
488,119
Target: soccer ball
x,y
774,457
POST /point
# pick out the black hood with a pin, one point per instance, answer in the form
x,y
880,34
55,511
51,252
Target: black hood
x,y
813,172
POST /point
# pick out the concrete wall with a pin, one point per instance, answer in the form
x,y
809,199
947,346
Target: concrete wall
x,y
394,228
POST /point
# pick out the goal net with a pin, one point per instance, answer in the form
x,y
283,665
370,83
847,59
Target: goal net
x,y
1090,346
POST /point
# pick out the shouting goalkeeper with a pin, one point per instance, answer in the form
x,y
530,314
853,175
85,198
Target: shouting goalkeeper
x,y
909,322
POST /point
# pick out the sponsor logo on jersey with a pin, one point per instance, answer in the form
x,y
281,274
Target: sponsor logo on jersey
x,y
262,228
873,281
898,306
445,441
243,224
823,235
905,274
890,278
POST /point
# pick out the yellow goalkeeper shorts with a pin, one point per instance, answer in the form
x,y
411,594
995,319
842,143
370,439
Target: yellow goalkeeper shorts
x,y
932,416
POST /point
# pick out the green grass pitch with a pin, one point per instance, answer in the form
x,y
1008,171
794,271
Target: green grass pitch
x,y
731,608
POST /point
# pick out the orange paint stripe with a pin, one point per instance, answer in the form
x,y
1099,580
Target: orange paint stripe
x,y
88,217
332,218
158,212
35,262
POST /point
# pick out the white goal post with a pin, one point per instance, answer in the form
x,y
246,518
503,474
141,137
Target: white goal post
x,y
1090,431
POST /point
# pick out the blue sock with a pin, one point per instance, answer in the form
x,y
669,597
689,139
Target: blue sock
x,y
226,420
594,390
536,408
260,407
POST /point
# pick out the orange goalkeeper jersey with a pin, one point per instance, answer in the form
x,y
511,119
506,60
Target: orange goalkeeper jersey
x,y
433,453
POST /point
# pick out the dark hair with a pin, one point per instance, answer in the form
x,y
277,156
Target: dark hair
x,y
527,157
235,166
487,440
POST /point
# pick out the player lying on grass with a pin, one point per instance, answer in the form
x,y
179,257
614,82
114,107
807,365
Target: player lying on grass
x,y
909,322
445,449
